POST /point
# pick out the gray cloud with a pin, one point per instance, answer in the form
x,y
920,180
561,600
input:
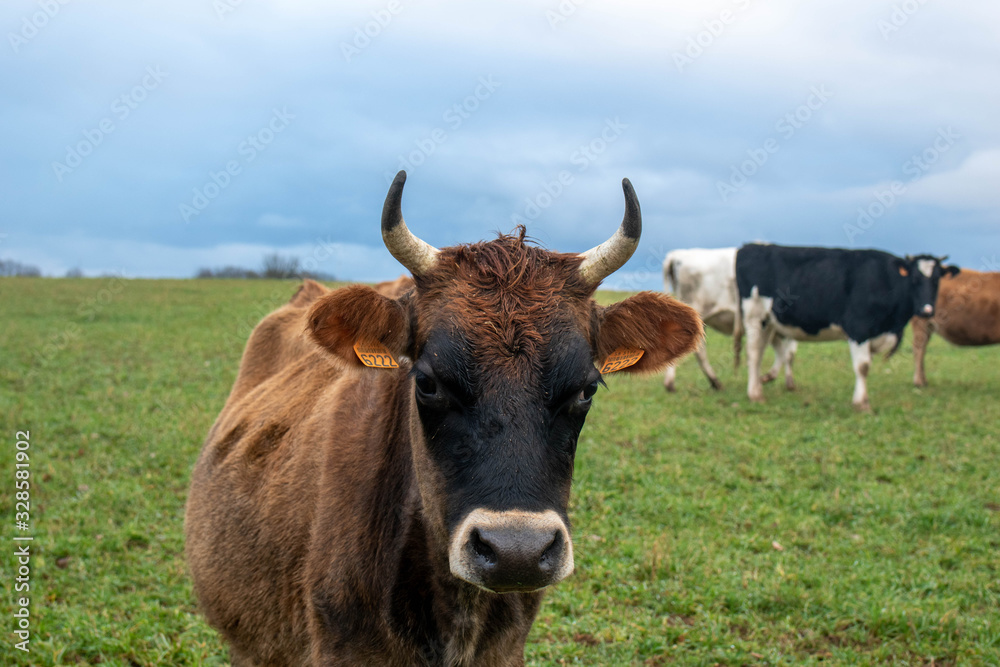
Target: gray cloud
x,y
414,93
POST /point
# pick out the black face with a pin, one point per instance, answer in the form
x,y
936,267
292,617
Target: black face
x,y
925,274
503,431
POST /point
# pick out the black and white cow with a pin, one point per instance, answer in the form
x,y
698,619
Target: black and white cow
x,y
705,279
819,294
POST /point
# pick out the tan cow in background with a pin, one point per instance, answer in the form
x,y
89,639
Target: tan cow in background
x,y
968,313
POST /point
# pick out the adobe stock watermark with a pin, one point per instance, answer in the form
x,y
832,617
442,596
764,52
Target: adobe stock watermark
x,y
989,263
786,127
454,117
582,158
714,28
915,167
35,23
121,108
363,35
248,150
225,7
563,11
901,14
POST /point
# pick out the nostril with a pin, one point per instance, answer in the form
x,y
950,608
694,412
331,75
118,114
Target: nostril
x,y
551,554
483,550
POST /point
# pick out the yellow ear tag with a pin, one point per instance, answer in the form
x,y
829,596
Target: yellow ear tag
x,y
374,354
621,358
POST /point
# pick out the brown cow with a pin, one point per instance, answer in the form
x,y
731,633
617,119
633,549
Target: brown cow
x,y
344,515
967,313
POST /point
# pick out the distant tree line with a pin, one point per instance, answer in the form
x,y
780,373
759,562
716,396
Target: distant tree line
x,y
274,265
9,267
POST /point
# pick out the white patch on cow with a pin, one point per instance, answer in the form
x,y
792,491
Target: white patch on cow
x,y
705,279
722,321
832,332
756,306
861,358
884,343
756,311
926,266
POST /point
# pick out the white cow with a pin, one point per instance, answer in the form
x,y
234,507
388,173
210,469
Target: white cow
x,y
705,279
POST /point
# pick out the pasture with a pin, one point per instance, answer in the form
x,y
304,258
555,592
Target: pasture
x,y
707,530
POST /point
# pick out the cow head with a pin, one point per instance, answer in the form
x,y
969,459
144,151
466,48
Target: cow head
x,y
924,273
499,340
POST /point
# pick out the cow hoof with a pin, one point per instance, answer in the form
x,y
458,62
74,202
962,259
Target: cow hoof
x,y
670,388
716,385
756,399
864,406
789,385
922,382
768,378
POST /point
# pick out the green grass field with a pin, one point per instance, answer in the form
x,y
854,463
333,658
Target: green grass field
x,y
707,530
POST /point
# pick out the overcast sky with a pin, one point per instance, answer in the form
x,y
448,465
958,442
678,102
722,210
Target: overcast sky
x,y
155,138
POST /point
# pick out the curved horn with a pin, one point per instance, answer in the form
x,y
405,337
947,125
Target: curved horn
x,y
416,255
605,259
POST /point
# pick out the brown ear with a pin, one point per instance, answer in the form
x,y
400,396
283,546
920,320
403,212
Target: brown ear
x,y
662,327
358,313
308,291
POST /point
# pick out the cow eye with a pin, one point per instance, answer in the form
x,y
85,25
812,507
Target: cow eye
x,y
589,391
426,386
586,395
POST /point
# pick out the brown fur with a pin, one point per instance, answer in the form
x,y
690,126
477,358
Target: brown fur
x,y
665,328
314,532
395,288
342,317
529,286
967,313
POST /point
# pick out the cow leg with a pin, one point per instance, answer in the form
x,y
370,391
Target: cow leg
x,y
701,353
755,312
861,358
756,342
790,350
921,336
784,349
772,374
668,378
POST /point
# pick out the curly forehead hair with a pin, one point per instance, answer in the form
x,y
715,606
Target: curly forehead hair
x,y
503,294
